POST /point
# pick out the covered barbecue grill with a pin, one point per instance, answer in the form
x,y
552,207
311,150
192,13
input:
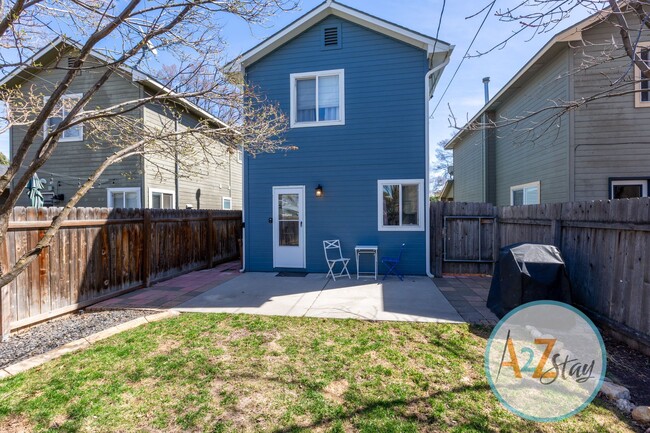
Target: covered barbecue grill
x,y
526,273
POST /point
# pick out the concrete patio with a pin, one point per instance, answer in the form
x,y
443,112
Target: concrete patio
x,y
415,299
224,289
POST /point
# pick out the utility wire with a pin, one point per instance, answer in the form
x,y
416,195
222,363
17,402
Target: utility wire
x,y
442,12
463,59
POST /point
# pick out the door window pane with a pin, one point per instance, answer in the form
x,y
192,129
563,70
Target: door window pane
x,y
289,224
391,205
306,100
289,233
328,98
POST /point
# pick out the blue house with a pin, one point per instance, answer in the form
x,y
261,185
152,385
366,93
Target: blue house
x,y
356,89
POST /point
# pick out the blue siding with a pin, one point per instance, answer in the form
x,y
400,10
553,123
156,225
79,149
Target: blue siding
x,y
383,138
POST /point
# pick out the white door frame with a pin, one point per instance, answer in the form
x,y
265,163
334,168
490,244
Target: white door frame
x,y
297,259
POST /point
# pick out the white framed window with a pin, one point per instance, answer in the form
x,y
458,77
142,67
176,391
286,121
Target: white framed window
x,y
628,188
318,99
642,86
125,198
61,110
527,193
162,199
226,203
400,205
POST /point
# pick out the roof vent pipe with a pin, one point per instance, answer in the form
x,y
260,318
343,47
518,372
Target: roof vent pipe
x,y
486,86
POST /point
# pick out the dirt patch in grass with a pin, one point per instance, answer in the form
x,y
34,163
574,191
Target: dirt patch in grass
x,y
335,390
16,424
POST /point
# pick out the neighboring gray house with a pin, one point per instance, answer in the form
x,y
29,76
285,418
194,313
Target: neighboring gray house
x,y
599,151
136,181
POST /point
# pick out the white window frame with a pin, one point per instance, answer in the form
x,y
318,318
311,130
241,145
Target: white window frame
x,y
623,182
240,156
223,203
523,187
62,138
109,197
315,75
638,103
380,205
153,191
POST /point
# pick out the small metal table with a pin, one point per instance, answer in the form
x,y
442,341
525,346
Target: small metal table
x,y
366,249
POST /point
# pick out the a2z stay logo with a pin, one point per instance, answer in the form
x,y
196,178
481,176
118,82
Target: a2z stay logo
x,y
538,372
578,371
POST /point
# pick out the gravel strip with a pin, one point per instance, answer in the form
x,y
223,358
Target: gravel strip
x,y
57,332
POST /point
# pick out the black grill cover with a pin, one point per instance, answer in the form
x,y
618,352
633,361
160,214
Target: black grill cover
x,y
526,273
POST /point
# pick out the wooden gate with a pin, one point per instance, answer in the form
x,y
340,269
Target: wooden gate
x,y
464,238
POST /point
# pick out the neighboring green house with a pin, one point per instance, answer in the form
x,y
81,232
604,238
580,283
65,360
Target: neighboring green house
x,y
150,181
599,151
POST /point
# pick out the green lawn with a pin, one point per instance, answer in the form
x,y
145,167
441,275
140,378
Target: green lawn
x,y
222,373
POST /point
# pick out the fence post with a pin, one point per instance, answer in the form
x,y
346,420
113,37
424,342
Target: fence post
x,y
210,240
5,312
437,229
556,232
146,246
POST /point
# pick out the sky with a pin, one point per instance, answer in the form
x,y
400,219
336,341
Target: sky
x,y
465,94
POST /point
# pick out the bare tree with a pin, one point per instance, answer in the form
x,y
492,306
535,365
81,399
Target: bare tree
x,y
442,161
127,36
541,18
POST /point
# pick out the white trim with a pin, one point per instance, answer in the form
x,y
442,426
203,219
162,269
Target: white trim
x,y
642,182
380,205
303,226
223,203
293,78
109,198
317,14
523,187
638,103
62,138
162,191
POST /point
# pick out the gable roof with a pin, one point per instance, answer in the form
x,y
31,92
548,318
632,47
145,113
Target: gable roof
x,y
539,60
330,7
48,53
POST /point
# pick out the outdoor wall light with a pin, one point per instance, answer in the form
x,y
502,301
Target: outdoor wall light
x,y
319,191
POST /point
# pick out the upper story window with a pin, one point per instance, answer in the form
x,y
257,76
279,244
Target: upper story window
x,y
318,99
527,193
63,107
642,95
400,205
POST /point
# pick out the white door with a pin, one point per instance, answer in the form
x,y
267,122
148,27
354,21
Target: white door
x,y
289,227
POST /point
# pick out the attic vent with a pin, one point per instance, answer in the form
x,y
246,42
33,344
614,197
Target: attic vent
x,y
72,61
331,37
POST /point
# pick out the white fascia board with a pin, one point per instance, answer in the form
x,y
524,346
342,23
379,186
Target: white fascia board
x,y
428,44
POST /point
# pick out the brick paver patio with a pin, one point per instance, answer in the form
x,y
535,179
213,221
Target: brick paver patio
x,y
173,292
468,295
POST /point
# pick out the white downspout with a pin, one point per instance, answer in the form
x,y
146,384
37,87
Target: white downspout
x,y
427,223
243,212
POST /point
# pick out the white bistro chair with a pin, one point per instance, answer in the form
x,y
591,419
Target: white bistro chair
x,y
333,256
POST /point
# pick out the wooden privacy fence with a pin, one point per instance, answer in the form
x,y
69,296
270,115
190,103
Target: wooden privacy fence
x,y
605,244
100,252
